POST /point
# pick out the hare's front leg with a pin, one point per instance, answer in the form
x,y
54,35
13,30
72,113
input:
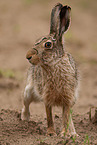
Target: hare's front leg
x,y
25,115
65,116
50,129
68,126
71,127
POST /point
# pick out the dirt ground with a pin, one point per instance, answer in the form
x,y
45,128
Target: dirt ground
x,y
21,23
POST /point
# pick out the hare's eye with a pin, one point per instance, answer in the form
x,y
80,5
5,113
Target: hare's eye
x,y
48,44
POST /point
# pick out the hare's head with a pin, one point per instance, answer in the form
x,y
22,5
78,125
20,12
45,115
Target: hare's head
x,y
50,47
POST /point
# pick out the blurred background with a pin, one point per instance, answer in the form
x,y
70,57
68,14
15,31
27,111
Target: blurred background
x,y
24,21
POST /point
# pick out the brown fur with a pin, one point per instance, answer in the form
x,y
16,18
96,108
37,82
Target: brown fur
x,y
52,77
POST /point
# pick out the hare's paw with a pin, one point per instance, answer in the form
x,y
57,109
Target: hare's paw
x,y
65,133
74,134
51,131
25,115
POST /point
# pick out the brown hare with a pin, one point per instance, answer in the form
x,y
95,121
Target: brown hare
x,y
53,76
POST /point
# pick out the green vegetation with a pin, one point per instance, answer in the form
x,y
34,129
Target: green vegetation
x,y
7,73
73,139
42,140
86,141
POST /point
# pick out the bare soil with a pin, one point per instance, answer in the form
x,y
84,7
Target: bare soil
x,y
21,23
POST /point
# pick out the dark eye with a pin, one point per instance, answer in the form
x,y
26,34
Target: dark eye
x,y
48,44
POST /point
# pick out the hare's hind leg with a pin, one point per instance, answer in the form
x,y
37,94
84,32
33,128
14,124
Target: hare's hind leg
x,y
28,98
50,129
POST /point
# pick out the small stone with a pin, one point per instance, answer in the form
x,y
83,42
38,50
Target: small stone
x,y
56,116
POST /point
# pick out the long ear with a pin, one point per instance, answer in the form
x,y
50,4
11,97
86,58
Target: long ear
x,y
60,20
64,19
55,18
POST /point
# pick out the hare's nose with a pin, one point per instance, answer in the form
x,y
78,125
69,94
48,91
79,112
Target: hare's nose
x,y
29,57
30,53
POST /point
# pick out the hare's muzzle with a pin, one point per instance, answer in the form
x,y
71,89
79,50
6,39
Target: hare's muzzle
x,y
32,56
